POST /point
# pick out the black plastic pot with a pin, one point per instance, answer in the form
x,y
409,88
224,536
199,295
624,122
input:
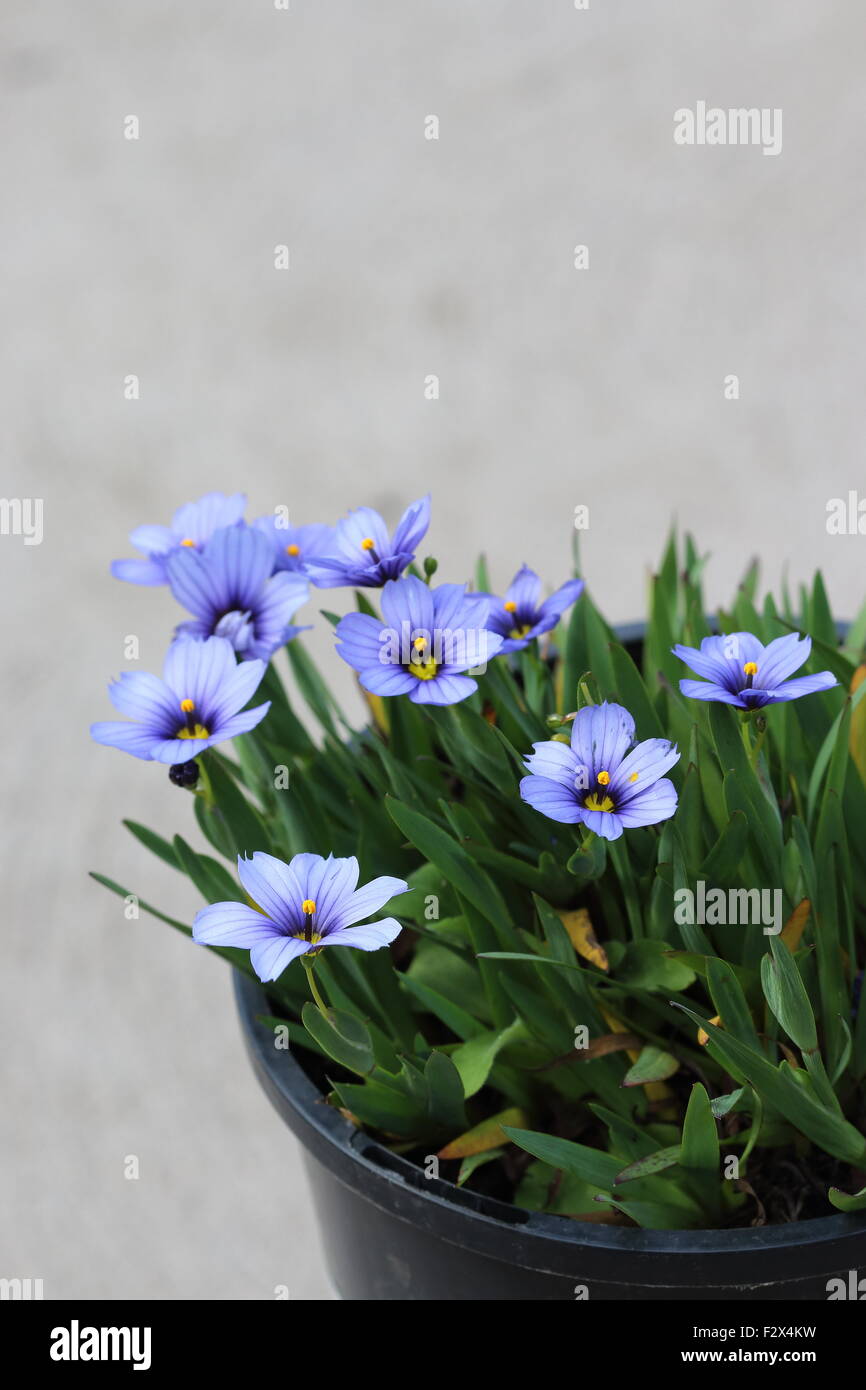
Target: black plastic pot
x,y
390,1233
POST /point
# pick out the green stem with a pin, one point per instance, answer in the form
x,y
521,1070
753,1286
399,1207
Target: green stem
x,y
623,870
314,989
205,790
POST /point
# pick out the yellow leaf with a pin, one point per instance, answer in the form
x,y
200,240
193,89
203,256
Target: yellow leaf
x,y
857,735
376,706
583,938
487,1135
793,928
703,1035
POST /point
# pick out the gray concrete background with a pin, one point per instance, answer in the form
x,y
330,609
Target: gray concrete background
x,y
408,257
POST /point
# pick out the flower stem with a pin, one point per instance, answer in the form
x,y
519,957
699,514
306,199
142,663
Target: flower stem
x,y
206,790
314,989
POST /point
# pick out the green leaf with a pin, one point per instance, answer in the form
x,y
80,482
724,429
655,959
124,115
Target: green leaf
x,y
652,1065
786,995
723,861
445,1091
589,1165
342,1036
383,1108
474,1058
829,1131
312,687
473,1161
656,1162
648,965
240,824
848,1201
450,1013
211,878
442,850
155,843
730,1003
700,1146
633,694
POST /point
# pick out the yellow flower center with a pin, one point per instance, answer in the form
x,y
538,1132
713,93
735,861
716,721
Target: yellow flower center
x,y
420,665
750,668
368,544
293,550
191,729
510,606
308,907
604,778
519,631
187,541
594,802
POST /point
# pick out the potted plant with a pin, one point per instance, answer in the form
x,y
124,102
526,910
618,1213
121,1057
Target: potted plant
x,y
554,964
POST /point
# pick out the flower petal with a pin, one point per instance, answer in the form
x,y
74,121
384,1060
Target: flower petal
x,y
129,738
803,685
369,937
443,689
412,526
232,924
553,760
600,736
656,803
364,901
274,887
146,698
643,766
552,799
706,690
270,958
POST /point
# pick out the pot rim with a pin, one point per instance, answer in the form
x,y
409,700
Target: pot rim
x,y
537,1239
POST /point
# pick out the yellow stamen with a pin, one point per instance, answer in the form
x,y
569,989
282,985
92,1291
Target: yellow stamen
x,y
596,803
308,907
604,778
519,631
419,643
188,542
750,668
633,777
368,544
293,550
510,606
187,706
197,731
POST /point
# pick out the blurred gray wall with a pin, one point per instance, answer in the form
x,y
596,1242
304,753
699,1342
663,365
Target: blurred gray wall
x,y
559,387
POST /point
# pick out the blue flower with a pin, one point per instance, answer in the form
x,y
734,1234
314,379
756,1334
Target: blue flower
x,y
600,780
194,706
522,615
231,591
192,526
426,640
739,670
364,555
295,546
304,906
